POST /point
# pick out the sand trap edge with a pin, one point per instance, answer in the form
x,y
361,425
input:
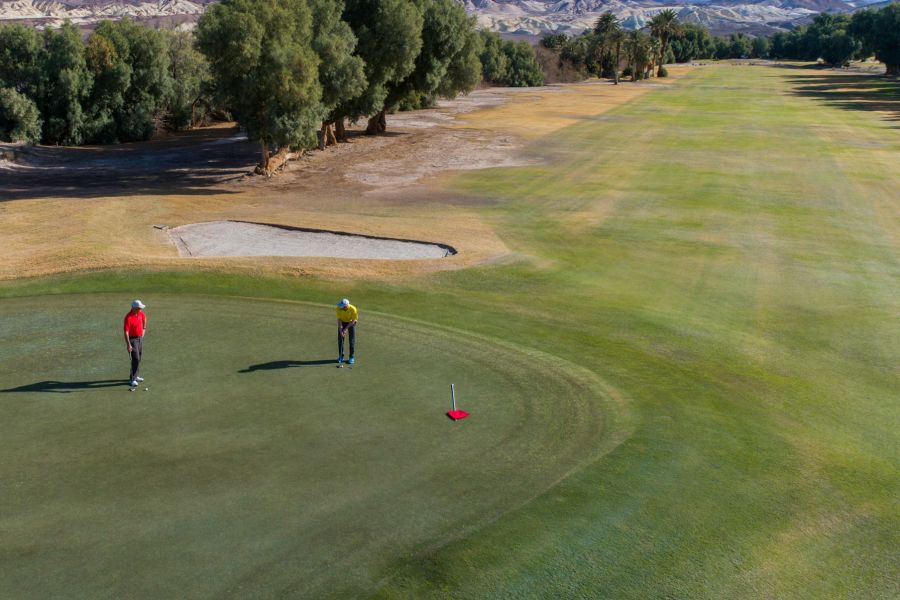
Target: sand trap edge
x,y
452,251
185,251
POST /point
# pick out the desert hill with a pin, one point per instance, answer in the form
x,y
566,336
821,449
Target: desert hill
x,y
522,17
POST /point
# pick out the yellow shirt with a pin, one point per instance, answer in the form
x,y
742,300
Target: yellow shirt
x,y
347,315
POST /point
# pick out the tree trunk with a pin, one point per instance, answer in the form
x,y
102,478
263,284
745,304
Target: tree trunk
x,y
326,135
340,132
377,124
264,164
273,162
278,159
662,59
892,70
616,67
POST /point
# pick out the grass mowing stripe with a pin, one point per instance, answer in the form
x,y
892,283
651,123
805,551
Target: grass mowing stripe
x,y
742,295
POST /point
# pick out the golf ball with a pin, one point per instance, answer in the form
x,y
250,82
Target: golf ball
x,y
146,389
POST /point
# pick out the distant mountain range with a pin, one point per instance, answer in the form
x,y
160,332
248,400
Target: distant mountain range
x,y
721,16
510,17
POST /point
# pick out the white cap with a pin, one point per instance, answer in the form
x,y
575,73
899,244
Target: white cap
x,y
343,303
138,304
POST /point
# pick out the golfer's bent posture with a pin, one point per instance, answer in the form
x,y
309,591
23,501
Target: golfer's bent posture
x,y
346,320
135,328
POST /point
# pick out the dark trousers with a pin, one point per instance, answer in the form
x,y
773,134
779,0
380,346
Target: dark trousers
x,y
351,333
137,349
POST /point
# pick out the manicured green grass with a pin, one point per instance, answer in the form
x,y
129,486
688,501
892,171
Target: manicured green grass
x,y
722,253
246,463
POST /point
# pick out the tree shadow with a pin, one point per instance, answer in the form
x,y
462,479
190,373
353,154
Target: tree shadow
x,y
851,92
67,387
193,163
286,364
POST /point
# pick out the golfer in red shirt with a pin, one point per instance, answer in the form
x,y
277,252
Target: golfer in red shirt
x,y
135,328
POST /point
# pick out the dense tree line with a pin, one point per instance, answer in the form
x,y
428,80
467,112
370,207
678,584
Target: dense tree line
x,y
508,63
610,51
288,69
833,38
115,87
839,38
291,72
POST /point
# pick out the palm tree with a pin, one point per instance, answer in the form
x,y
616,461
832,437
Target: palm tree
x,y
654,53
606,23
663,26
615,39
604,26
637,52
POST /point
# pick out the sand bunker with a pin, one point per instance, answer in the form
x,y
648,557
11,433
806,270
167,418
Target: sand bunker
x,y
238,238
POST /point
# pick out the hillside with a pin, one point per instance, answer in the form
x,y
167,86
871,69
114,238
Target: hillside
x,y
523,17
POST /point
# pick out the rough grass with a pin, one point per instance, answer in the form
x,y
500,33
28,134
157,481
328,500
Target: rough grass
x,y
534,113
103,230
724,251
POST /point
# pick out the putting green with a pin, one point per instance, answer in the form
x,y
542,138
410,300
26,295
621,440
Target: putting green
x,y
252,465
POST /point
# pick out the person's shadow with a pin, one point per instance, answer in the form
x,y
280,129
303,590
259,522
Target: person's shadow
x,y
286,364
67,387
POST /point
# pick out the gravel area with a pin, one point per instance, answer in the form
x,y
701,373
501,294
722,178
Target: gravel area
x,y
236,238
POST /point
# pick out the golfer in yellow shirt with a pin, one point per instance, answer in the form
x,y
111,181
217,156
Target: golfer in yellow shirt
x,y
346,320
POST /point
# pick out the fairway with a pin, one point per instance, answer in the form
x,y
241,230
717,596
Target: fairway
x,y
252,447
682,371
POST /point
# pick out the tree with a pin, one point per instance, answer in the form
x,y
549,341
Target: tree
x,y
66,83
878,33
779,45
508,63
759,47
691,42
606,23
264,67
580,52
523,70
190,80
827,38
132,85
111,77
447,41
464,70
494,62
663,26
20,120
738,46
554,41
389,34
838,48
615,39
341,72
722,48
21,57
637,52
